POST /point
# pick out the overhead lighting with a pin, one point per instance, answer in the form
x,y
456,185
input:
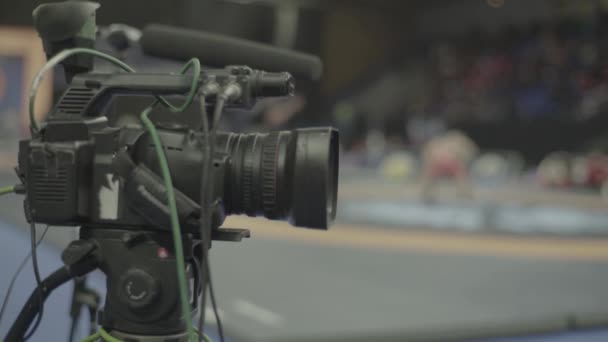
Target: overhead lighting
x,y
495,3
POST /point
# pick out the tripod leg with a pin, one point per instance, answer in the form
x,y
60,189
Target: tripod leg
x,y
77,267
83,296
76,306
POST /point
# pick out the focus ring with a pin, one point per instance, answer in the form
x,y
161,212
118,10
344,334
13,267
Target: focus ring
x,y
269,175
247,180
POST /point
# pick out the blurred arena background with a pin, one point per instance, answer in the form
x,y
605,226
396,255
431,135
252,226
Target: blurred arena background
x,y
474,167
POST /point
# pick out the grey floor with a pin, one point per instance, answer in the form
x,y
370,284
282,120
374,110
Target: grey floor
x,y
277,289
340,292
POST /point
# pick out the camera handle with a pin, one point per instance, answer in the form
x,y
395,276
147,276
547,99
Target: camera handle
x,y
80,258
89,93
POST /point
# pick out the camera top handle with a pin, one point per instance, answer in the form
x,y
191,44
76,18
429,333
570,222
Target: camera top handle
x,y
88,94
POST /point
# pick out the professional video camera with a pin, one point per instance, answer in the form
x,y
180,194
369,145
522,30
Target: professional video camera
x,y
128,188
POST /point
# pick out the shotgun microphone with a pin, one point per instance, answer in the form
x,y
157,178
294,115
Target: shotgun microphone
x,y
217,50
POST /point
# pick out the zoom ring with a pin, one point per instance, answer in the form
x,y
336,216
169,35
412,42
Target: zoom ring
x,y
269,175
247,204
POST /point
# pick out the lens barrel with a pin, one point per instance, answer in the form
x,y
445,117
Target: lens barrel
x,y
284,175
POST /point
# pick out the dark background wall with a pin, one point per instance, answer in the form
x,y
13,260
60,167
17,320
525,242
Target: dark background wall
x,y
356,39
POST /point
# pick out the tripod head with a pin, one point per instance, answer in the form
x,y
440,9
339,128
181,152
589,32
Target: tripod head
x,y
77,170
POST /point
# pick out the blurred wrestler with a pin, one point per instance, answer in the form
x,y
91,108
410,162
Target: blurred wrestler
x,y
448,156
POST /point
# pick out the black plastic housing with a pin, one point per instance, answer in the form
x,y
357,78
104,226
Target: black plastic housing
x,y
85,172
284,175
79,170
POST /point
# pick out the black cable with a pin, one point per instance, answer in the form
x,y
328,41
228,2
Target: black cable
x,y
206,217
49,284
219,107
220,329
93,320
197,267
35,326
17,272
73,327
36,275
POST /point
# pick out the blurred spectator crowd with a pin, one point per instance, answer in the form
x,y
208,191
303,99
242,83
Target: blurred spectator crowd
x,y
555,70
547,71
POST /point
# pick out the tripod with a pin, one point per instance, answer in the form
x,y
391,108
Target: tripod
x,y
142,301
83,296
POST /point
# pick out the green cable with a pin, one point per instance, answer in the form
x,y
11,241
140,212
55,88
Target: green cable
x,y
175,226
92,338
166,175
205,337
104,335
7,189
58,58
109,338
176,230
196,65
193,63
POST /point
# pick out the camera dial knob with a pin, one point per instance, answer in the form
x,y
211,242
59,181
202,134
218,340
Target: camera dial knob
x,y
138,289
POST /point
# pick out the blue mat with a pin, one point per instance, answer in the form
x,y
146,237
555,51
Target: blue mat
x,y
14,246
475,217
583,336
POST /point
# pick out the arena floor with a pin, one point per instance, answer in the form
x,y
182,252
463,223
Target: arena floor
x,y
373,282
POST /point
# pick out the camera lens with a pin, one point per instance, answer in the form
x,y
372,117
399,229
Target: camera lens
x,y
286,175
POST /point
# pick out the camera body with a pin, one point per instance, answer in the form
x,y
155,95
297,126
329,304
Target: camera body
x,y
81,171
